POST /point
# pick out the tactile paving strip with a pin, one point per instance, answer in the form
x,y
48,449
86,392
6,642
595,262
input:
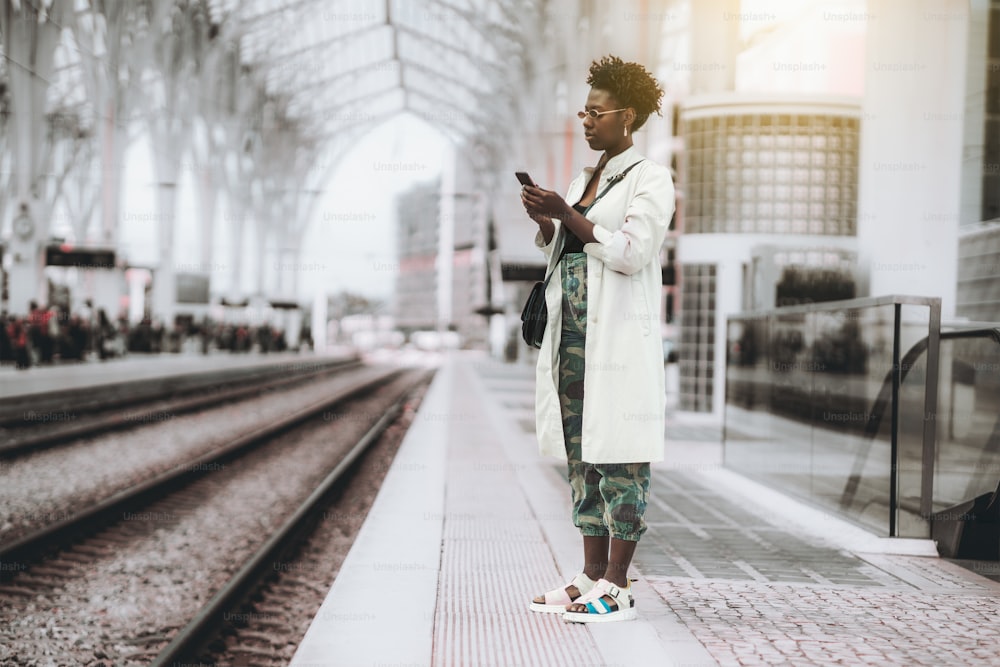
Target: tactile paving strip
x,y
491,569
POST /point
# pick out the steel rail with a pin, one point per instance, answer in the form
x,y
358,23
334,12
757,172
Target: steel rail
x,y
20,444
124,392
193,637
61,533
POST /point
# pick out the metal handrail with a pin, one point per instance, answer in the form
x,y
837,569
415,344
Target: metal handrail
x,y
844,304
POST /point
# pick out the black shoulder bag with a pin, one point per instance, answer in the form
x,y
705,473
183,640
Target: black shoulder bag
x,y
535,314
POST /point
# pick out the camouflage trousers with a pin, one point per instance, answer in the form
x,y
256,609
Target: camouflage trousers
x,y
608,498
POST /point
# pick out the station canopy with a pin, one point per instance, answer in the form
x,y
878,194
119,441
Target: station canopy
x,y
345,66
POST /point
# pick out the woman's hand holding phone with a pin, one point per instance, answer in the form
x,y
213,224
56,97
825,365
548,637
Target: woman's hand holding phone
x,y
525,180
535,202
539,202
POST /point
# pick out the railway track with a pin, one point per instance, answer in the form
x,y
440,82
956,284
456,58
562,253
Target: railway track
x,y
47,571
47,486
29,423
283,588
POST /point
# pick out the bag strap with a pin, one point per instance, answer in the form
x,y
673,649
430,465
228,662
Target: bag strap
x,y
548,277
612,182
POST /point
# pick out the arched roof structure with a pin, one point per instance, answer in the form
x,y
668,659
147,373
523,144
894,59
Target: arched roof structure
x,y
344,66
262,97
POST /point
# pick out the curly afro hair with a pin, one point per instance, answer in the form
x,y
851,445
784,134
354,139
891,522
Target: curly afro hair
x,y
630,84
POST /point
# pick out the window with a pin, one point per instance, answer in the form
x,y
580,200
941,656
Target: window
x,y
697,337
747,160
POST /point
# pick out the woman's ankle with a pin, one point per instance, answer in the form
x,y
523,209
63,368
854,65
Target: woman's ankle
x,y
619,580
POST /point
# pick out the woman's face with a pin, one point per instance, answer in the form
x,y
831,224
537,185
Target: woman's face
x,y
607,130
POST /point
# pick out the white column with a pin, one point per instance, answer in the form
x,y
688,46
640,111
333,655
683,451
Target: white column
x,y
446,240
164,296
137,279
29,44
24,261
715,43
319,318
728,301
910,164
106,290
975,112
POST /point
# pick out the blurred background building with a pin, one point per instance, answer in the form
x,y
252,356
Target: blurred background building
x,y
418,242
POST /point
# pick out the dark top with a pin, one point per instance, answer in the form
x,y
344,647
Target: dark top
x,y
572,242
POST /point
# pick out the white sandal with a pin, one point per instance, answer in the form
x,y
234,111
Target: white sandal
x,y
557,599
599,610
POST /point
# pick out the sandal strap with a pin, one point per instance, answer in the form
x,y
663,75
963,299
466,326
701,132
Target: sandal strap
x,y
583,583
559,596
595,603
599,606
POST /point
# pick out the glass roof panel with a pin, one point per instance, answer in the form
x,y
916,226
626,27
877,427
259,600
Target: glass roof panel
x,y
332,58
335,66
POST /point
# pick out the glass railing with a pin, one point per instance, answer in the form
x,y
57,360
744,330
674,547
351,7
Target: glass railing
x,y
826,401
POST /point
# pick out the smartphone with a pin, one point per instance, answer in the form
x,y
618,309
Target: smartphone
x,y
523,177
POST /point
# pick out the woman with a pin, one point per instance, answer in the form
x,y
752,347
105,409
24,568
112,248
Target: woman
x,y
603,338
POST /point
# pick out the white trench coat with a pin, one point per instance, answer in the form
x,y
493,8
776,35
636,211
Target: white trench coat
x,y
624,392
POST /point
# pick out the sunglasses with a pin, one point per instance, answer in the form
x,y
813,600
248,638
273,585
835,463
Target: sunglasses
x,y
593,113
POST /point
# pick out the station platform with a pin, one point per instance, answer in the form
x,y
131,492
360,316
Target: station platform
x,y
39,379
471,523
